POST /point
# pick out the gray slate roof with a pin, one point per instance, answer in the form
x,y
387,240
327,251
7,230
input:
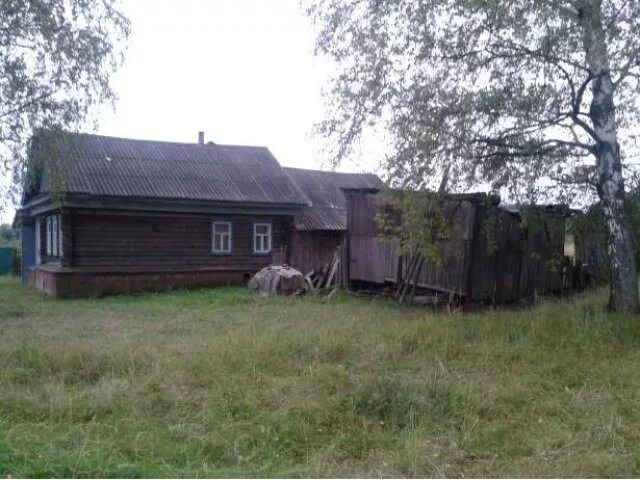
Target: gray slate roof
x,y
120,167
328,204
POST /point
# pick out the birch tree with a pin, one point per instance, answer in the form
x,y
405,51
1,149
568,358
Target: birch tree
x,y
56,57
538,97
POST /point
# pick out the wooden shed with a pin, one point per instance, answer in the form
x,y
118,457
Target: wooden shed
x,y
494,253
321,226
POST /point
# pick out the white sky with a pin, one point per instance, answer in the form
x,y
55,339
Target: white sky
x,y
242,71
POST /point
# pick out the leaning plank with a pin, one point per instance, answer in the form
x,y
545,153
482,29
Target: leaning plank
x,y
334,267
322,277
416,275
406,280
403,278
440,288
310,286
410,279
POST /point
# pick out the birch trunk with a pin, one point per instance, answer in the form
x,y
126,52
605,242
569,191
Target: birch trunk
x,y
624,280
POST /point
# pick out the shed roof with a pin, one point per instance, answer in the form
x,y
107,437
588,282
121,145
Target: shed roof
x,y
122,167
328,205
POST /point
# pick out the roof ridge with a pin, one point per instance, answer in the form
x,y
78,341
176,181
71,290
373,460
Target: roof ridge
x,y
129,139
329,171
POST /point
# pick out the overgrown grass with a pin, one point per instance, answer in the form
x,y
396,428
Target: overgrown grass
x,y
220,383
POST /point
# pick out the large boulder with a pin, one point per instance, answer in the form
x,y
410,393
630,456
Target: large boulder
x,y
277,279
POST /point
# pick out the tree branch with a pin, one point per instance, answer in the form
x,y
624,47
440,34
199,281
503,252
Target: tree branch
x,y
31,102
625,70
526,150
577,103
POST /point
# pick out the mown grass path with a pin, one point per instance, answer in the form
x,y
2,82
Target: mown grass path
x,y
220,383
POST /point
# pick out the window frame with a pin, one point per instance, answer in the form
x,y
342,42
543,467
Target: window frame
x,y
60,250
268,235
213,237
38,224
55,236
49,235
52,226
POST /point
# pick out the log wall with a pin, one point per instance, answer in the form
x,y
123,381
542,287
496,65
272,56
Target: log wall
x,y
167,240
77,284
121,252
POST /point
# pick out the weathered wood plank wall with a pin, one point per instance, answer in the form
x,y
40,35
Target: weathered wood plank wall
x,y
313,250
591,250
449,274
368,254
501,260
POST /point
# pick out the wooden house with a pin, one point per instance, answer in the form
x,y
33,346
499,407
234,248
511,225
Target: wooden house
x,y
128,215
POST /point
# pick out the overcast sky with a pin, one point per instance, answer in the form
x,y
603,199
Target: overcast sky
x,y
242,71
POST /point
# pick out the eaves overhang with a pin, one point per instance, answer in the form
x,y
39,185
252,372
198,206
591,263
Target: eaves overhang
x,y
94,202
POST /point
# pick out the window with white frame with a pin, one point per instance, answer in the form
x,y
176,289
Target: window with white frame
x,y
53,236
261,237
221,237
48,236
38,225
60,236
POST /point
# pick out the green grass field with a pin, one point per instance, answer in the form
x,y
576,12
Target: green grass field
x,y
220,383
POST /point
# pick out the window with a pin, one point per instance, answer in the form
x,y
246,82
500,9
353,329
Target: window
x,y
49,237
53,236
261,237
60,236
38,229
221,237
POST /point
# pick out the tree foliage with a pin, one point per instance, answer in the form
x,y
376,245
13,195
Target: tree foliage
x,y
536,96
7,234
496,91
56,57
417,220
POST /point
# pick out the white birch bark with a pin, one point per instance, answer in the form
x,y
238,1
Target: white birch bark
x,y
624,281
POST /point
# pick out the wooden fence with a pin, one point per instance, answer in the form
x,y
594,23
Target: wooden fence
x,y
491,254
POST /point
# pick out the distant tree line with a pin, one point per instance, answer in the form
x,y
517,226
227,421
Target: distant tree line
x,y
8,235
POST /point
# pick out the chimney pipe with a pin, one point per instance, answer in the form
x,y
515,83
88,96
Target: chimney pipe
x,y
201,138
